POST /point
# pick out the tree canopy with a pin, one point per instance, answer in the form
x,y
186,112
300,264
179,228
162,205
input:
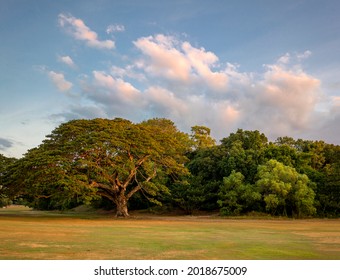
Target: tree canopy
x,y
152,162
84,159
5,164
284,189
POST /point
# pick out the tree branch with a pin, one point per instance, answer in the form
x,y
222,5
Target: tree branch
x,y
134,171
139,187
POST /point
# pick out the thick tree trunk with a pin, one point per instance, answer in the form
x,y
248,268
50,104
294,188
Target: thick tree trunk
x,y
122,209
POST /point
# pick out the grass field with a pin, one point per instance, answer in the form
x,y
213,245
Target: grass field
x,y
27,234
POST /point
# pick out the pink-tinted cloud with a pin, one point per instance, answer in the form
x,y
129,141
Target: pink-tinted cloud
x,y
293,94
171,78
162,58
115,89
202,62
282,103
59,81
77,28
169,58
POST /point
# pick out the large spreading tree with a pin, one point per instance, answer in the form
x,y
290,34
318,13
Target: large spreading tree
x,y
82,160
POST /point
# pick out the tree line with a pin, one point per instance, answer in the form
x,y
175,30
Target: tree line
x,y
125,165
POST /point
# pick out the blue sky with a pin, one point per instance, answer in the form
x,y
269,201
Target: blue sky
x,y
267,65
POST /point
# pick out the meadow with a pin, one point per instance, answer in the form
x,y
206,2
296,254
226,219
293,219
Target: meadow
x,y
27,234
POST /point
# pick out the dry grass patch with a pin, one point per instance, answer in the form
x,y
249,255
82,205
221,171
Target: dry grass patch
x,y
55,236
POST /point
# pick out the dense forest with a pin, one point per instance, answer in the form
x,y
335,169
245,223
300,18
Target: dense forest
x,y
152,165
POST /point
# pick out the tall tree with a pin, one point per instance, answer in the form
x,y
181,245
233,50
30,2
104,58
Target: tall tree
x,y
85,159
204,166
244,152
201,138
328,191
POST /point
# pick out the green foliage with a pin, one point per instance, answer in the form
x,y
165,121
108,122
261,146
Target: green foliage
x,y
207,176
284,153
328,191
244,152
5,166
137,165
285,191
188,195
84,159
236,196
200,135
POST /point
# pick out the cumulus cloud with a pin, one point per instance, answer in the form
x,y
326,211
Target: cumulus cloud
x,y
162,58
172,78
111,95
78,29
67,60
168,58
119,87
279,101
59,81
293,94
202,62
282,102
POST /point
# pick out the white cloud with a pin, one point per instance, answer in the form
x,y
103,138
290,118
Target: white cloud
x,y
279,101
112,28
77,28
111,94
190,85
179,62
59,80
295,94
118,86
67,60
282,103
202,61
162,58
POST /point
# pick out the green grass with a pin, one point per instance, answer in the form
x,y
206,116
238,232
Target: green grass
x,y
27,234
